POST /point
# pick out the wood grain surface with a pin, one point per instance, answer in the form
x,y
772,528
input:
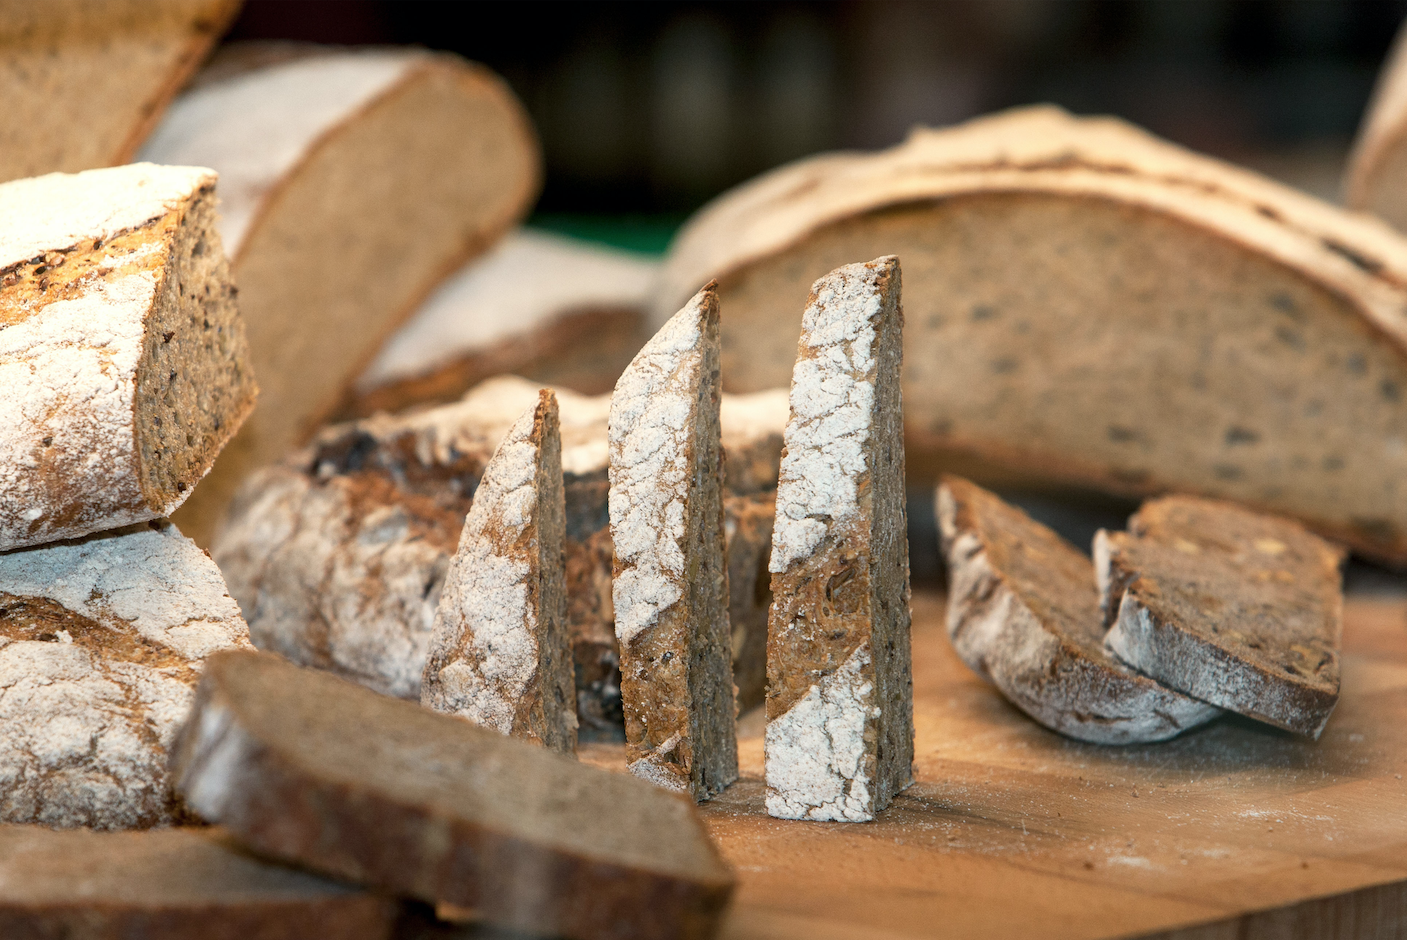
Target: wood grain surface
x,y
1234,830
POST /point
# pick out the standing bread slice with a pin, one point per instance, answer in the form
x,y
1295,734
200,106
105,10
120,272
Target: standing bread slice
x,y
500,655
1023,613
1238,608
123,362
839,740
353,183
1376,177
670,583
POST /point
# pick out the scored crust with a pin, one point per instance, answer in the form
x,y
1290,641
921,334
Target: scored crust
x,y
839,738
1237,608
500,655
1023,613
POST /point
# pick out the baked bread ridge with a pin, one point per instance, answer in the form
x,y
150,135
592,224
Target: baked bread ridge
x,y
500,655
431,807
101,644
170,884
1237,608
670,576
123,354
1292,302
1023,613
1378,161
839,738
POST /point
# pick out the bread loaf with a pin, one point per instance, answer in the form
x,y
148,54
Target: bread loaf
x,y
170,884
556,310
437,151
500,655
670,578
1377,166
1090,306
101,645
424,805
1239,609
1023,613
84,81
839,740
122,355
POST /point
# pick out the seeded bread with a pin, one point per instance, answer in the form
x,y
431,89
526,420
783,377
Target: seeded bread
x,y
670,579
1377,167
309,151
1237,608
1023,613
101,645
839,740
500,655
122,355
1091,306
169,884
421,804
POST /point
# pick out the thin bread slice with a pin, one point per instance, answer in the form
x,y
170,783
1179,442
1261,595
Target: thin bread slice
x,y
123,359
500,655
1023,613
170,884
1237,608
303,766
839,740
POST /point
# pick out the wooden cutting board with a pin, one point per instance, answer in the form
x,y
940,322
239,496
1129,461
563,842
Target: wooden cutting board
x,y
1234,830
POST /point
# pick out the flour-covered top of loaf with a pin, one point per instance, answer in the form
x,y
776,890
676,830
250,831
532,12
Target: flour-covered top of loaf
x,y
56,211
651,419
832,406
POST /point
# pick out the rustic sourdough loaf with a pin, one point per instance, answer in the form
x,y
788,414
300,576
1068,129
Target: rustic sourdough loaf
x,y
553,309
670,578
170,884
421,804
338,555
101,645
84,81
1089,305
1240,609
500,654
1376,176
839,740
122,355
1023,613
434,149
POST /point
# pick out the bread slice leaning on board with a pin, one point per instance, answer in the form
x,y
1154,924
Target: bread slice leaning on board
x,y
1088,305
352,184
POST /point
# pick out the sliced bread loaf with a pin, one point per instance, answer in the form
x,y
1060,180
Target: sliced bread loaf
x,y
1237,608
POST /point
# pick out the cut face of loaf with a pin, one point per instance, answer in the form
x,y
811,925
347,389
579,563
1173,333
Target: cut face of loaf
x,y
84,81
553,309
839,740
123,360
170,884
311,150
1023,613
1376,177
423,805
670,579
1090,306
101,645
500,655
1237,608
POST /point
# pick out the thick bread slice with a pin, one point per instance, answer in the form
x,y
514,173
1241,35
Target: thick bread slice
x,y
428,806
1376,176
553,309
1023,613
123,361
170,884
101,645
670,578
85,81
1089,305
1237,608
435,150
839,740
500,654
